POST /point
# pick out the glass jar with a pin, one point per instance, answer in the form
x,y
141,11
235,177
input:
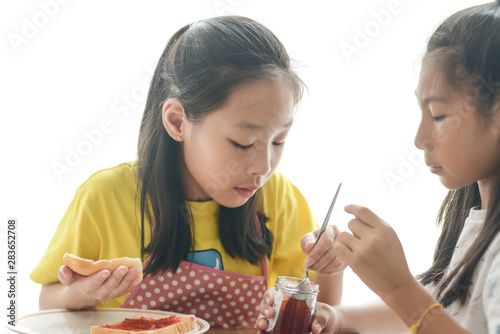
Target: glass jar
x,y
294,306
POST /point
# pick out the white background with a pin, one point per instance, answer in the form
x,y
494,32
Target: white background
x,y
67,67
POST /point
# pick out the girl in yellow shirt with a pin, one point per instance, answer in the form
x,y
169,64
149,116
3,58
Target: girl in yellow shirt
x,y
202,206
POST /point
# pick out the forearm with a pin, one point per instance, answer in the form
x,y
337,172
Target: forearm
x,y
330,288
371,318
411,301
57,295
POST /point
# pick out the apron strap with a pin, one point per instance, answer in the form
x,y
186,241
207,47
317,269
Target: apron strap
x,y
264,257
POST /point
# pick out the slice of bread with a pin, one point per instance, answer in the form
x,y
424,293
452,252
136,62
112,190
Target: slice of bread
x,y
175,324
87,267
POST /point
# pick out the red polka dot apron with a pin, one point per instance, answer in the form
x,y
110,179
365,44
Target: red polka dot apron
x,y
222,298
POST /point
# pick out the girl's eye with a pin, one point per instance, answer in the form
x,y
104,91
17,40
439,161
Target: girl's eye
x,y
279,144
438,118
243,147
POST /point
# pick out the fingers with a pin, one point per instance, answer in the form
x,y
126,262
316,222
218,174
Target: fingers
x,y
364,214
103,285
93,285
327,265
323,258
344,246
266,309
322,248
316,327
329,255
362,228
261,323
324,319
117,284
359,229
307,242
266,305
66,275
128,282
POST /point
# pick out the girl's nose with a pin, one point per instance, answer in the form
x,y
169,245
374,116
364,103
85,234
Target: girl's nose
x,y
423,138
260,164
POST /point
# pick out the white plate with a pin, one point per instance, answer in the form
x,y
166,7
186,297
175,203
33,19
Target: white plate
x,y
79,322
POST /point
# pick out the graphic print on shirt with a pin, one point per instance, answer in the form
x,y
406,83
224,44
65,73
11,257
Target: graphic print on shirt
x,y
209,258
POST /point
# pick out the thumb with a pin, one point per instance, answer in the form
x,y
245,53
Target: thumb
x,y
66,276
316,327
307,242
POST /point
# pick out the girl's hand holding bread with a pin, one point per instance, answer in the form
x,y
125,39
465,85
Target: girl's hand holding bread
x,y
101,280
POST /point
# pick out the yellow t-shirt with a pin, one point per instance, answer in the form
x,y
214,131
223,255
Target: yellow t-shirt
x,y
103,222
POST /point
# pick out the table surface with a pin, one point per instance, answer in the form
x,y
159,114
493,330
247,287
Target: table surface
x,y
235,331
241,331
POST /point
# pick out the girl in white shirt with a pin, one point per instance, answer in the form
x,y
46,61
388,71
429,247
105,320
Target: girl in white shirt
x,y
459,95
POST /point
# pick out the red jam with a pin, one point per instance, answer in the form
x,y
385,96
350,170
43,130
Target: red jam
x,y
142,323
294,317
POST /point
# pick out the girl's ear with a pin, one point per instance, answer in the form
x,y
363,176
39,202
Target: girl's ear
x,y
174,119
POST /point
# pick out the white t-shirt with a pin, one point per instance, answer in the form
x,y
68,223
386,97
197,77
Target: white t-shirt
x,y
481,313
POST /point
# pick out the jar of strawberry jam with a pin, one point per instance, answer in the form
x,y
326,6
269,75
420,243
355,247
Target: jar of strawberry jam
x,y
294,305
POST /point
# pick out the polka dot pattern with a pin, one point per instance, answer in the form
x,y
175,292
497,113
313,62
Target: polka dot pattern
x,y
223,299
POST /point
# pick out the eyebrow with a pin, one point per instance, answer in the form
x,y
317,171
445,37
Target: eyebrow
x,y
432,98
250,126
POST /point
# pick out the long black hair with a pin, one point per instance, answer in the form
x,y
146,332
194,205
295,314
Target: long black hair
x,y
467,46
201,65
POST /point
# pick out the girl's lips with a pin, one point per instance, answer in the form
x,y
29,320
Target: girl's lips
x,y
245,192
434,169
